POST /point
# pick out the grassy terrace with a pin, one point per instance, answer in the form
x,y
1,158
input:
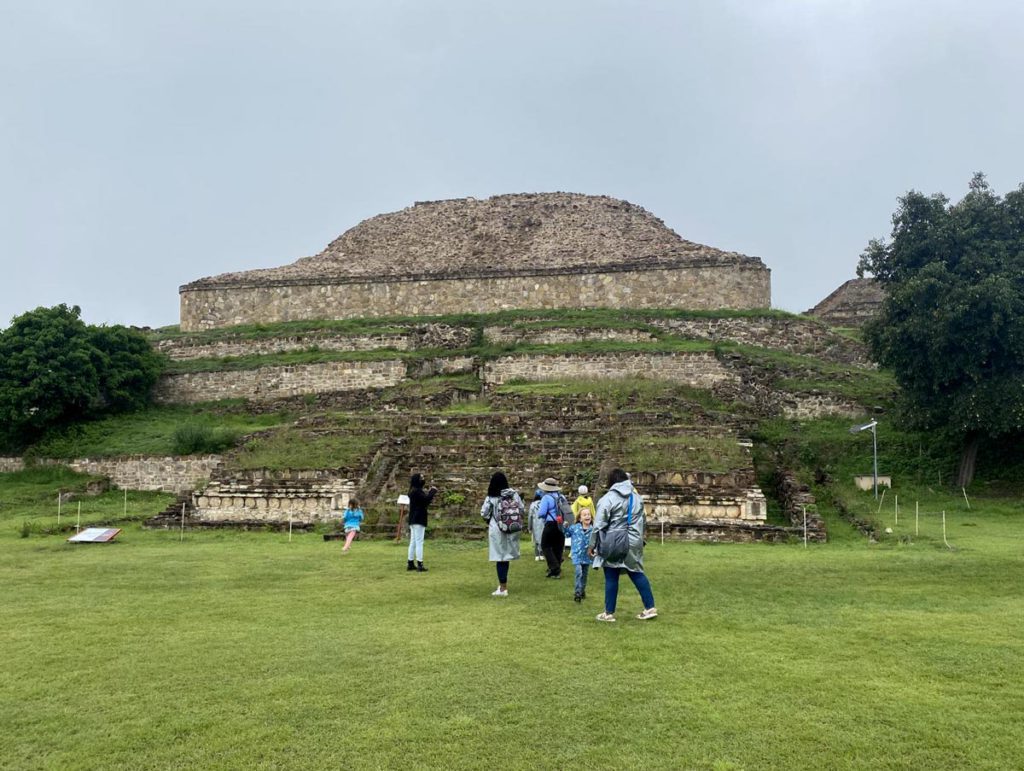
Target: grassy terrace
x,y
245,650
150,431
540,318
227,363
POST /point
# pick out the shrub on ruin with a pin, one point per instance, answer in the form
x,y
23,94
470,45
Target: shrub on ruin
x,y
201,438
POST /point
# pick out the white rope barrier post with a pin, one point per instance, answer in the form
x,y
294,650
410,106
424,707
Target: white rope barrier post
x,y
58,511
289,527
126,503
805,525
662,532
78,525
880,502
896,499
917,517
944,531
964,490
181,537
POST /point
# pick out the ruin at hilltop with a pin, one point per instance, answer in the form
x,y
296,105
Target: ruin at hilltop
x,y
544,250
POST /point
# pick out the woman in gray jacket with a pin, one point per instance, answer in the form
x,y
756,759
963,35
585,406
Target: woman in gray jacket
x,y
502,547
615,511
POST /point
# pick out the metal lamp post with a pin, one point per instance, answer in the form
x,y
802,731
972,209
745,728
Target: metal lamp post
x,y
874,447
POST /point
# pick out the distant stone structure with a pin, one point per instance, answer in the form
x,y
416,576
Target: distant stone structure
x,y
544,250
851,305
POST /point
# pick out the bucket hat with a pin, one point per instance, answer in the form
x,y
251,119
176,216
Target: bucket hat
x,y
550,485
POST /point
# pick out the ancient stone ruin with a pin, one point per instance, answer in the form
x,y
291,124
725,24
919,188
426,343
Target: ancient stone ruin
x,y
543,250
853,304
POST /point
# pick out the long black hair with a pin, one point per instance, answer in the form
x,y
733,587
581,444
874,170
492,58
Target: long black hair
x,y
498,483
617,475
416,482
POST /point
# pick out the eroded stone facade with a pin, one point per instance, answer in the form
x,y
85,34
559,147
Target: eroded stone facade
x,y
169,474
278,382
303,498
698,369
705,287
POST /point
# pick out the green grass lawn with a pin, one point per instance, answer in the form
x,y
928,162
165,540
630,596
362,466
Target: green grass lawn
x,y
245,650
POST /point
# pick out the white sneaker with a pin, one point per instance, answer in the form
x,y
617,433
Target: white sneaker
x,y
499,592
647,613
538,559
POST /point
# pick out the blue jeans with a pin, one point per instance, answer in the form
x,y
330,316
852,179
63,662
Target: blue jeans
x,y
611,588
581,578
416,533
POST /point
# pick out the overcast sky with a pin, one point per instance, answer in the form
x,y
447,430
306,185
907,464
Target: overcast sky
x,y
147,144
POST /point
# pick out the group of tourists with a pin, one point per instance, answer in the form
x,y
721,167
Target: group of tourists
x,y
609,536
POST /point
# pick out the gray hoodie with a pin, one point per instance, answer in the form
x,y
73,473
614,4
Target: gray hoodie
x,y
611,511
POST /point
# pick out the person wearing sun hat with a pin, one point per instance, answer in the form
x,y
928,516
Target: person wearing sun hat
x,y
552,542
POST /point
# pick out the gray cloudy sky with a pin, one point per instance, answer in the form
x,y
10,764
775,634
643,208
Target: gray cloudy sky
x,y
147,144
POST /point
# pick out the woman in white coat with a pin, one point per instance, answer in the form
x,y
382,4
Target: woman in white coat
x,y
502,547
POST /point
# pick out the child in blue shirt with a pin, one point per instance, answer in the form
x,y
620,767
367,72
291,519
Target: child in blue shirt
x,y
353,516
581,560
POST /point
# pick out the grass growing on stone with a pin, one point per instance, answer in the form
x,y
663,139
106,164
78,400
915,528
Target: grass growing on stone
x,y
292,448
147,432
242,650
641,392
486,351
685,453
609,318
799,373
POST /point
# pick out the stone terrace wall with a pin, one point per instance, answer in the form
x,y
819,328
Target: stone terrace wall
x,y
557,335
415,337
10,465
701,370
278,382
711,286
187,348
136,472
793,335
304,501
167,474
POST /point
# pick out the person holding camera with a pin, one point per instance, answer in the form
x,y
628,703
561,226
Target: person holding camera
x,y
419,501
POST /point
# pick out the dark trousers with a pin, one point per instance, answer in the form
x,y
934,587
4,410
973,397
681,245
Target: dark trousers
x,y
502,572
552,543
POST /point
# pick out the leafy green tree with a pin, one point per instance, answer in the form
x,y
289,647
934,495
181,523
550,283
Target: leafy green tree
x,y
952,324
55,370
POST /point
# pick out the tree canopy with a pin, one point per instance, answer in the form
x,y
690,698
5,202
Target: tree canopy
x,y
55,370
952,325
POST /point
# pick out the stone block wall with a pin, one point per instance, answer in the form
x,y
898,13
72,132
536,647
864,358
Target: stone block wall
x,y
166,474
700,286
809,406
272,500
10,465
182,349
278,382
136,472
558,335
412,337
698,369
793,335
